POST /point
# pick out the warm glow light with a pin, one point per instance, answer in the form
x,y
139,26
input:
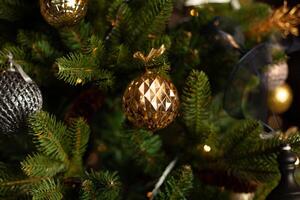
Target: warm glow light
x,y
194,13
206,148
297,161
282,95
79,81
71,3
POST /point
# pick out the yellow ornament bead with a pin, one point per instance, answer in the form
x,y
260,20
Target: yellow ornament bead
x,y
63,12
151,101
280,99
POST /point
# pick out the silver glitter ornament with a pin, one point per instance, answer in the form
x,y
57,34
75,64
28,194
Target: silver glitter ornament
x,y
19,97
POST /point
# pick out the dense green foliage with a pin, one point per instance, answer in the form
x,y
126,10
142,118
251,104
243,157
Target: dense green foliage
x,y
89,150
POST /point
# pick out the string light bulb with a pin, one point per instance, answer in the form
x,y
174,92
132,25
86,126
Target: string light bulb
x,y
206,148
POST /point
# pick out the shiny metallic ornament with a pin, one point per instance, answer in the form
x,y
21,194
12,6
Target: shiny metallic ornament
x,y
280,99
19,97
151,101
60,13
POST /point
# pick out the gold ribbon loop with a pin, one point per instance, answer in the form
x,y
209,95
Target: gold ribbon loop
x,y
154,53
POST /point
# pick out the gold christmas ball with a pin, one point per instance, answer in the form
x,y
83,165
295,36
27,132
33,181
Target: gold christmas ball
x,y
151,101
63,12
280,99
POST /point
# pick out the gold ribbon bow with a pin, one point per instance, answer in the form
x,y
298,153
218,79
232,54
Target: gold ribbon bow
x,y
154,53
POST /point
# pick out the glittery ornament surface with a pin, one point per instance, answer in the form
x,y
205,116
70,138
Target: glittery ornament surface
x,y
18,99
151,101
63,12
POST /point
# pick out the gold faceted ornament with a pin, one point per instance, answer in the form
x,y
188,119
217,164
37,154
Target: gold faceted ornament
x,y
60,13
151,101
280,99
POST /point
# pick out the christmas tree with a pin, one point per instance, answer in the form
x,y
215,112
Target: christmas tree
x,y
142,99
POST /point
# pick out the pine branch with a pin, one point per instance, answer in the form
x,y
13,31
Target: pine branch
x,y
137,23
47,189
39,165
150,20
38,43
178,186
76,37
195,102
94,47
146,149
13,184
239,136
101,185
79,69
246,156
119,56
50,137
79,132
43,50
113,10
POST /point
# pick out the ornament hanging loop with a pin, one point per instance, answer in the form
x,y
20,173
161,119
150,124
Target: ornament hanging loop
x,y
153,54
13,66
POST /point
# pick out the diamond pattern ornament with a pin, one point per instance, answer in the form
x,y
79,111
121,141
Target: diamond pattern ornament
x,y
60,13
18,98
151,101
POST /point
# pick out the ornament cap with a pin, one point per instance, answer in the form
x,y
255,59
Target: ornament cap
x,y
13,66
152,55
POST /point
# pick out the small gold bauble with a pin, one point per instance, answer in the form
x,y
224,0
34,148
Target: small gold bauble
x,y
151,101
63,12
280,99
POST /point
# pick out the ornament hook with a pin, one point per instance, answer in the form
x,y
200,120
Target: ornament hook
x,y
13,66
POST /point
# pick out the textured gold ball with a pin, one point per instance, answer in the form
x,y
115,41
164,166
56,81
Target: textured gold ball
x,y
280,99
60,13
151,101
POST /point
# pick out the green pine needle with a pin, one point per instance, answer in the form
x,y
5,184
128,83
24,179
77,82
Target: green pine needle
x,y
40,166
146,149
195,102
47,189
79,132
177,186
50,136
76,68
79,69
151,20
94,47
101,185
247,156
138,23
13,185
75,37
